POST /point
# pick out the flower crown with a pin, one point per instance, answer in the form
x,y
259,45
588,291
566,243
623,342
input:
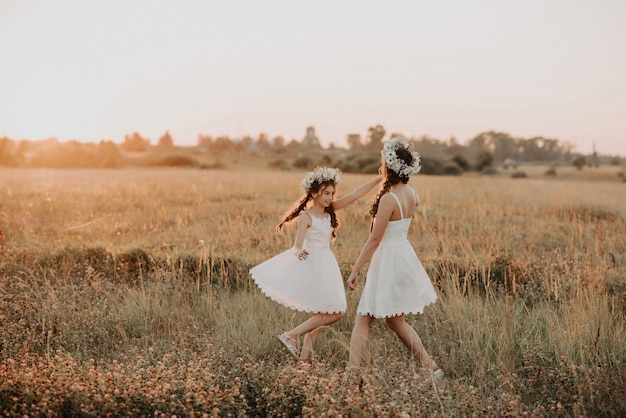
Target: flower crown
x,y
320,175
396,164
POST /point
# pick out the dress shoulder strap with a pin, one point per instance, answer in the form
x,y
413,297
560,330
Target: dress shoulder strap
x,y
399,205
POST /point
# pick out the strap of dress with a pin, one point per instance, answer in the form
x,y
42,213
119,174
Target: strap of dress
x,y
399,205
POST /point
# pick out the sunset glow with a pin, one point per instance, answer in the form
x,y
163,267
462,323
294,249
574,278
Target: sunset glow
x,y
92,70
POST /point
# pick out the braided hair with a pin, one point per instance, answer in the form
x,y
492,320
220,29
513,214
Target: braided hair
x,y
391,178
304,200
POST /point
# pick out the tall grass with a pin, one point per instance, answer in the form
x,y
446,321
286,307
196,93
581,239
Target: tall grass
x,y
127,292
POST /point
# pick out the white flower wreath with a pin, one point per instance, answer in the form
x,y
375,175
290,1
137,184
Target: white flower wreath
x,y
396,164
320,175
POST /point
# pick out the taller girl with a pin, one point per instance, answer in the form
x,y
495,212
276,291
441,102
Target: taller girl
x,y
307,277
396,282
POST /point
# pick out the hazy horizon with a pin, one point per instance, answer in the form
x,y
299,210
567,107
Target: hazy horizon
x,y
100,70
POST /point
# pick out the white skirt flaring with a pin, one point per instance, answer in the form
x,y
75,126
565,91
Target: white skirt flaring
x,y
312,285
396,282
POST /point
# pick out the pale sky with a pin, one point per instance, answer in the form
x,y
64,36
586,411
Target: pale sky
x,y
96,69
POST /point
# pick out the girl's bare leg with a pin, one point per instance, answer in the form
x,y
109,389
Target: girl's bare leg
x,y
307,344
358,339
411,340
314,322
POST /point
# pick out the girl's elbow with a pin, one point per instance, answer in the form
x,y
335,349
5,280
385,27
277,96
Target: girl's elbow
x,y
375,241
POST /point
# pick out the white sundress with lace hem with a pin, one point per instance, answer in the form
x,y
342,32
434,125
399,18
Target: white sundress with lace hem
x,y
396,282
311,285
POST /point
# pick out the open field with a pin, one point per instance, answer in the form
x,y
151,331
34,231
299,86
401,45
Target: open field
x,y
125,292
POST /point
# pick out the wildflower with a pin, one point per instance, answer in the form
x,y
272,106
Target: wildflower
x,y
320,175
396,164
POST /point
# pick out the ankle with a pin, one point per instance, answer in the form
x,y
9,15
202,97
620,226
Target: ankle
x,y
430,365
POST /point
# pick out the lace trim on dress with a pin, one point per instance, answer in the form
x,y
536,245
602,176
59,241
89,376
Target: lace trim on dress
x,y
414,311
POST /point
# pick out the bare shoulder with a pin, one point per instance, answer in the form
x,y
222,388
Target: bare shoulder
x,y
307,220
386,202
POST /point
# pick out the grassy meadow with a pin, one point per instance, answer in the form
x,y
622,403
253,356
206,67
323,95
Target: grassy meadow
x,y
126,292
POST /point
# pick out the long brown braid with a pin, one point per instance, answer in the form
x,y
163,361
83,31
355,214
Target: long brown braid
x,y
391,178
301,206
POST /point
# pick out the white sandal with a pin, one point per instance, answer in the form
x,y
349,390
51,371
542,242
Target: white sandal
x,y
433,372
293,350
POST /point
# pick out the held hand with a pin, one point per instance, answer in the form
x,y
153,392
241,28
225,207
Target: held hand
x,y
354,277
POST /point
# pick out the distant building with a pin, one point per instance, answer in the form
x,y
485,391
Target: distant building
x,y
509,162
311,140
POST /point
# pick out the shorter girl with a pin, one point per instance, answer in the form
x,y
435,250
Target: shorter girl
x,y
307,277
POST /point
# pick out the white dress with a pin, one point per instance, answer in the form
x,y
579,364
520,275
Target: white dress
x,y
312,285
396,282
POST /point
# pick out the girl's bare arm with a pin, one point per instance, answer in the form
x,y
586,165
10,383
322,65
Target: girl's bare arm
x,y
304,222
358,193
385,210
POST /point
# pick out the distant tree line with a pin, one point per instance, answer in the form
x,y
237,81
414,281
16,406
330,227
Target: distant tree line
x,y
361,155
54,154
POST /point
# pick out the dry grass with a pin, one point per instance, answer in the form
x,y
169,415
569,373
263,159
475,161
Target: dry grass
x,y
125,292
